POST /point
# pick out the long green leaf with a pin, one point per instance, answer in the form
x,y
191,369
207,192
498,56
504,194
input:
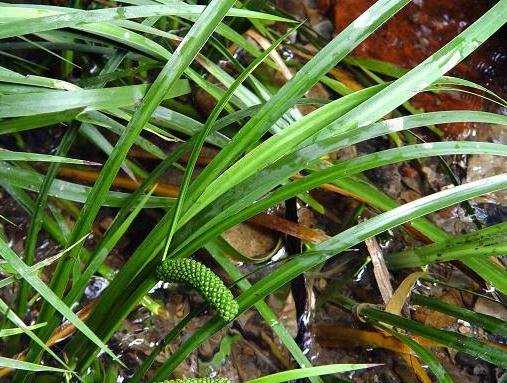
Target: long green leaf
x,y
301,373
31,180
20,124
177,63
17,105
45,18
489,241
338,243
209,226
34,281
7,155
489,323
304,79
207,129
467,344
15,331
426,356
221,252
37,218
20,365
11,315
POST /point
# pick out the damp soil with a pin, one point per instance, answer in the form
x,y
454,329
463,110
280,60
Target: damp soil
x,y
327,333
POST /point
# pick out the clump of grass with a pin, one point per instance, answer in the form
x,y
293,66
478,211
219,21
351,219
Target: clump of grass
x,y
149,56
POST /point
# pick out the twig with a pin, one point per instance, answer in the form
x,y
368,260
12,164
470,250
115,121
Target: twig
x,y
382,275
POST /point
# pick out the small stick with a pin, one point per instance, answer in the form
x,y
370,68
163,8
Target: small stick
x,y
382,275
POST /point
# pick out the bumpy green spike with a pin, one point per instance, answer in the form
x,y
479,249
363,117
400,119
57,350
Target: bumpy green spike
x,y
209,285
199,380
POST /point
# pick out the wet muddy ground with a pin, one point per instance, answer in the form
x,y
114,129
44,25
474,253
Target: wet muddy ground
x,y
326,332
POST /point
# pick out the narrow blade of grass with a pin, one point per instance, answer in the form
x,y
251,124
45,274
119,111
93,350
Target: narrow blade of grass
x,y
304,79
207,129
17,105
16,331
10,315
489,323
489,241
37,218
221,251
6,155
34,281
20,365
176,65
336,244
47,18
301,373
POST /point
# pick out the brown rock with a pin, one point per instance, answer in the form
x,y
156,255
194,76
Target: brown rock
x,y
419,30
